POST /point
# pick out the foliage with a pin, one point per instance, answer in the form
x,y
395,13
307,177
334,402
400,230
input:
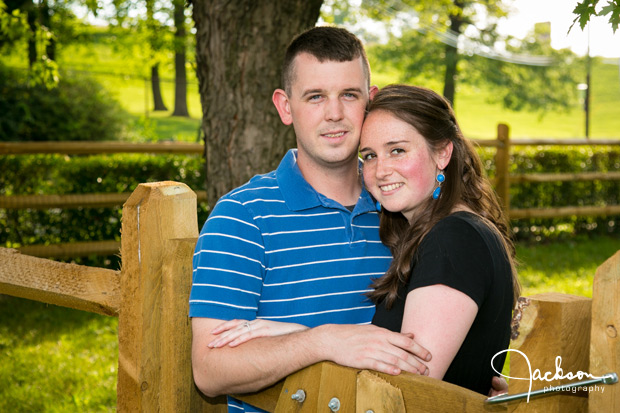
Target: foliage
x,y
551,85
13,26
533,160
422,38
78,109
587,8
56,174
418,56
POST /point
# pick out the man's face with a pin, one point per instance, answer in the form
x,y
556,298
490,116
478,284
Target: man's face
x,y
326,104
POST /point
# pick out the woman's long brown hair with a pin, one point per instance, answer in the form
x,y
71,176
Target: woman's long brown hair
x,y
465,184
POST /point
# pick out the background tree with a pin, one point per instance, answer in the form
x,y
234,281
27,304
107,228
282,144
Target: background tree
x,y
532,76
154,27
587,8
443,19
180,44
239,49
422,49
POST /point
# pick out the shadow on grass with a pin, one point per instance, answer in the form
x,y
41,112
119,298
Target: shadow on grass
x,y
32,322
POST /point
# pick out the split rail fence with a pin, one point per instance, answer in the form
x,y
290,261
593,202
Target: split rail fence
x,y
502,181
150,296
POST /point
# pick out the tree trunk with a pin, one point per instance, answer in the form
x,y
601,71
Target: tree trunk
x,y
155,43
452,57
240,46
46,20
158,101
31,17
180,78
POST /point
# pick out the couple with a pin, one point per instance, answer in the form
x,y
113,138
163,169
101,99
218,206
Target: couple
x,y
305,255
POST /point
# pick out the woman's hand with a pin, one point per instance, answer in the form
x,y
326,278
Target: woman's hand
x,y
235,332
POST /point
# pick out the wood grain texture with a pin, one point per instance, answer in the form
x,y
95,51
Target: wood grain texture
x,y
551,325
604,344
92,289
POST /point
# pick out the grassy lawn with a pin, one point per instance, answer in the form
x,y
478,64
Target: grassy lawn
x,y
55,359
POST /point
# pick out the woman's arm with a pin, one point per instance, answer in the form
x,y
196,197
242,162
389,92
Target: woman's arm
x,y
235,332
440,317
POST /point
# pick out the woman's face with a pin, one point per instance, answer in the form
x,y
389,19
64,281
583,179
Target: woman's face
x,y
399,168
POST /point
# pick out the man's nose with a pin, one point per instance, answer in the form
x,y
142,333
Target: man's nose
x,y
334,110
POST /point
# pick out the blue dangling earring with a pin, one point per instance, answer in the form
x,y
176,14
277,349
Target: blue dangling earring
x,y
440,178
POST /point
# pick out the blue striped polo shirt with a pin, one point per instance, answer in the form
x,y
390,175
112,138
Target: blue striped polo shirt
x,y
276,249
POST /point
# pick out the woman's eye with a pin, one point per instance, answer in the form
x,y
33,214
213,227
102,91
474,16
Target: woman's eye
x,y
368,156
397,151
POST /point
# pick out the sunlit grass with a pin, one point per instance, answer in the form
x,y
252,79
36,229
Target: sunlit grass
x,y
566,267
54,359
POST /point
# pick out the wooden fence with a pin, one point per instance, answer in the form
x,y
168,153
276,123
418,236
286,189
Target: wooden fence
x,y
502,181
150,296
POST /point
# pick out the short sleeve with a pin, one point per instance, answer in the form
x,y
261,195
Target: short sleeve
x,y
228,264
453,253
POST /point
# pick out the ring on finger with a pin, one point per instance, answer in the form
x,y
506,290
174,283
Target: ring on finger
x,y
247,324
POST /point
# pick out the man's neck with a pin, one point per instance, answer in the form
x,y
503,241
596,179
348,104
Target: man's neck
x,y
341,183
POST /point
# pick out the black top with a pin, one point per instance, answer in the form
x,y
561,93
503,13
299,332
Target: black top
x,y
462,252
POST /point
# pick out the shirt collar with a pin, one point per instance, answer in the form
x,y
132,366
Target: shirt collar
x,y
299,194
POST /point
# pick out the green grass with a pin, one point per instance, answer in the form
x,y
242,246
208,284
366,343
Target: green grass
x,y
125,76
567,266
479,119
55,359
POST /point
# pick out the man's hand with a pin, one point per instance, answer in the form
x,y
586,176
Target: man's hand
x,y
372,347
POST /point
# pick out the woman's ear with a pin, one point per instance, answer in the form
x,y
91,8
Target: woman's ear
x,y
280,100
444,155
372,92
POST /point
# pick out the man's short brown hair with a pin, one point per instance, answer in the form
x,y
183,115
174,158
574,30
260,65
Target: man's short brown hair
x,y
326,43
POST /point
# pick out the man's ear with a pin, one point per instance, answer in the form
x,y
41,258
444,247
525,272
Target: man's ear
x,y
444,155
372,92
280,100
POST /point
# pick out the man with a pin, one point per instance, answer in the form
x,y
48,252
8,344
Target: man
x,y
300,244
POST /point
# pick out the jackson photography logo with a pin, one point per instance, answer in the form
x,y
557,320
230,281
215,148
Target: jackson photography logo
x,y
550,376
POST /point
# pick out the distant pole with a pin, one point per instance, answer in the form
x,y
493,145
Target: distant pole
x,y
146,97
587,97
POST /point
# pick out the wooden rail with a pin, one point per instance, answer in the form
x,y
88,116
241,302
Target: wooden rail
x,y
97,148
71,200
150,295
503,178
502,181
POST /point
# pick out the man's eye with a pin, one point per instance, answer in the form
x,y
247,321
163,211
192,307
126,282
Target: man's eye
x,y
350,95
314,98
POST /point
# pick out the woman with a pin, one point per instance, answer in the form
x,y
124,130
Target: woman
x,y
452,281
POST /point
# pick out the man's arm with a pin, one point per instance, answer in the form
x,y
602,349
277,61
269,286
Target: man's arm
x,y
263,361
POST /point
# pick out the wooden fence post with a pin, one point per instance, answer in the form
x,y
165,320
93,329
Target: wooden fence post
x,y
502,174
159,232
546,326
604,345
